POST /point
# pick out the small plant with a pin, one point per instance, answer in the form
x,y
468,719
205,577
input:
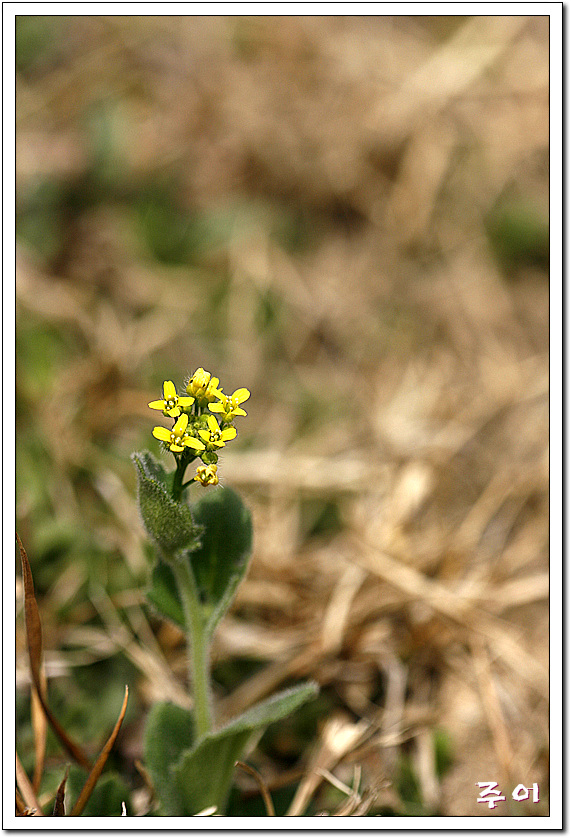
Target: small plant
x,y
203,548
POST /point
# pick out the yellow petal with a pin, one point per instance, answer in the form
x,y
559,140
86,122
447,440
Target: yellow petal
x,y
169,390
162,433
205,435
212,424
174,411
177,448
240,395
185,401
192,442
200,378
158,405
180,425
229,433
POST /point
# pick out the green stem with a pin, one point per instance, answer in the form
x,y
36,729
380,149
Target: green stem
x,y
181,463
197,645
177,479
197,641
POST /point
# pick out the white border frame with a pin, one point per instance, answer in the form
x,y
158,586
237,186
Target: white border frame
x,y
555,11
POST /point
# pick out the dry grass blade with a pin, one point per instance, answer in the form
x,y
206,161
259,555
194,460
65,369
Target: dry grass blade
x,y
33,624
100,763
146,655
424,758
34,639
26,789
336,615
457,608
356,804
353,797
532,588
447,73
263,788
338,738
492,707
59,803
365,804
409,580
20,805
40,728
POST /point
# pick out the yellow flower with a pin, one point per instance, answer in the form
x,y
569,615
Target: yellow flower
x,y
203,387
214,437
206,475
228,405
172,404
178,438
199,380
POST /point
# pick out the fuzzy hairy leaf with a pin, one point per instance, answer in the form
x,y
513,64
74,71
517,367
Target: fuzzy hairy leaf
x,y
168,733
221,561
163,594
204,773
218,563
167,522
154,469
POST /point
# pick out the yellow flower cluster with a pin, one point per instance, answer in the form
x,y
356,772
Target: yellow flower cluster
x,y
197,433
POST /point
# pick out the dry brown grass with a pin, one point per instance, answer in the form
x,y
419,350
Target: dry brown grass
x,y
393,137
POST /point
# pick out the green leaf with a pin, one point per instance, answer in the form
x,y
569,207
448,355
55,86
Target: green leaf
x,y
218,564
204,773
221,561
168,733
276,707
167,522
154,469
163,594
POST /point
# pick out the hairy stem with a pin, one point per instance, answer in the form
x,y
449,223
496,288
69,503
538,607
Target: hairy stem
x,y
197,646
177,479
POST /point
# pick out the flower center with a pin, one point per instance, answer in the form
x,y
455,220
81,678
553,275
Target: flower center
x,y
171,402
176,439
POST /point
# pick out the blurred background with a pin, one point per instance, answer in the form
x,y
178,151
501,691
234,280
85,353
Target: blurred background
x,y
348,216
